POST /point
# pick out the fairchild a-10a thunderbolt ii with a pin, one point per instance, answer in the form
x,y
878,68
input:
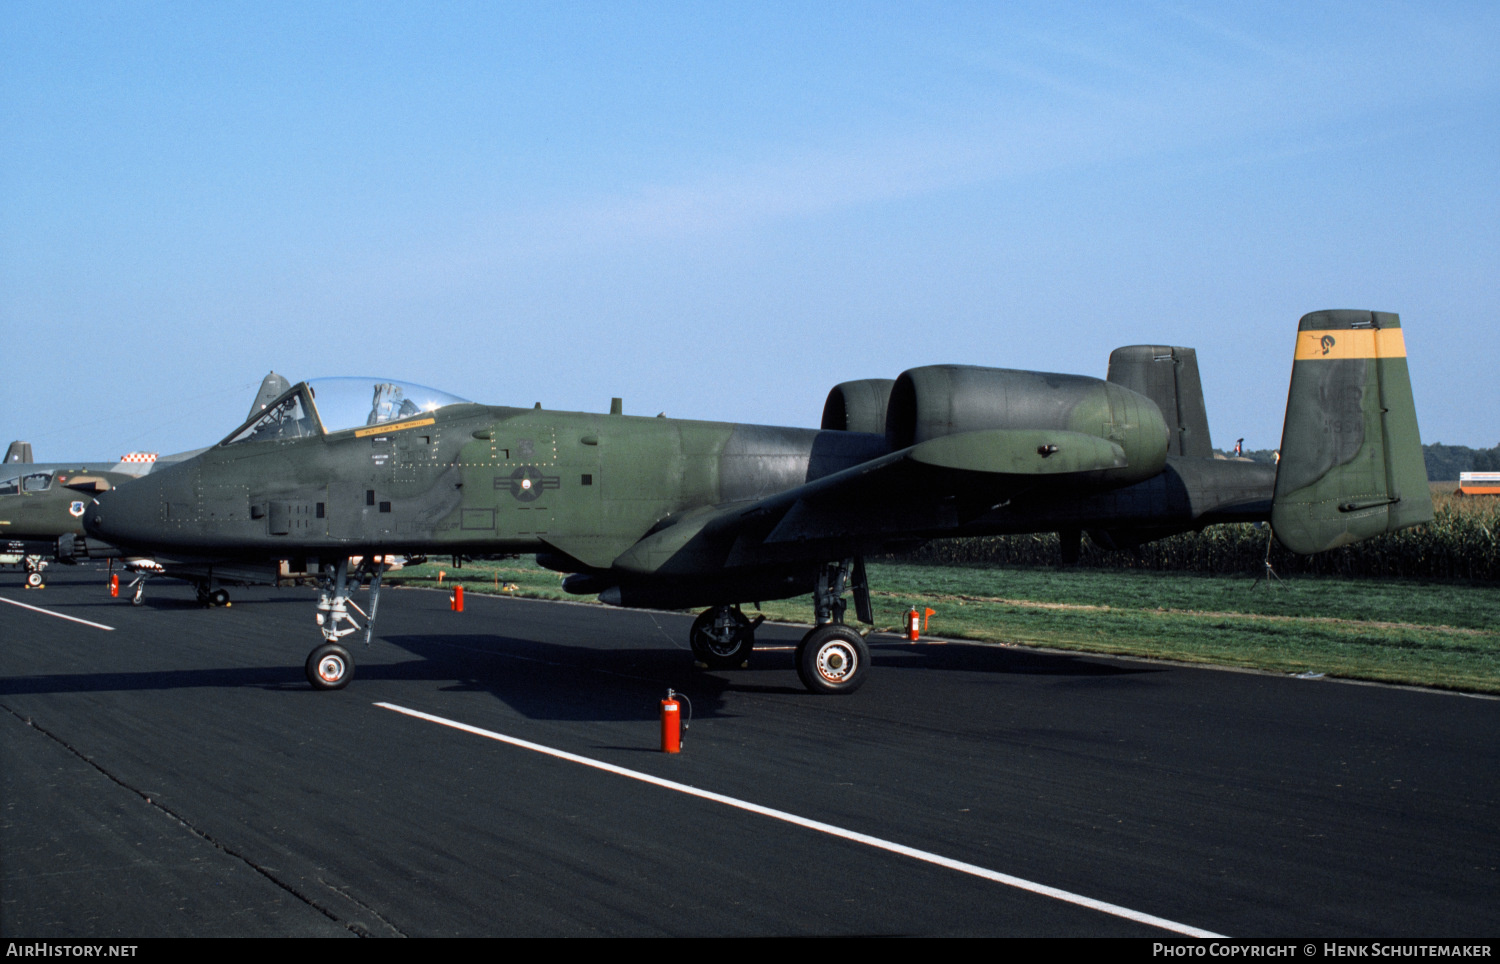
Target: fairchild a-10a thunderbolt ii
x,y
658,512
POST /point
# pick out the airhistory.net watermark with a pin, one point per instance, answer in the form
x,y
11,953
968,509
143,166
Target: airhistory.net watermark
x,y
48,949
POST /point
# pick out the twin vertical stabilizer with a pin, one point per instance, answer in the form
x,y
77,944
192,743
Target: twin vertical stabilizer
x,y
1169,377
1351,458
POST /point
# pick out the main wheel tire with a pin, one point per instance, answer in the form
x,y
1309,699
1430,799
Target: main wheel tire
x,y
219,597
722,638
34,580
833,659
329,667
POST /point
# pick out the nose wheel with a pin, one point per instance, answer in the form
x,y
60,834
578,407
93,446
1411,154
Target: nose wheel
x,y
329,667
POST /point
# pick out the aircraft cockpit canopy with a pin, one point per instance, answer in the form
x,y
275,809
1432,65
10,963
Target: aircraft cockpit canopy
x,y
345,403
327,405
32,482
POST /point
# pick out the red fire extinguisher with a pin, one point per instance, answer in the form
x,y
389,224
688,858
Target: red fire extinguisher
x,y
114,584
671,724
913,621
457,599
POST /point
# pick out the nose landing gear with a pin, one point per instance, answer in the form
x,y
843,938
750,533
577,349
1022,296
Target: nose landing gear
x,y
329,666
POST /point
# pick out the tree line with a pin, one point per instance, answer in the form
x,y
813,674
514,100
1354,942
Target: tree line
x,y
1444,462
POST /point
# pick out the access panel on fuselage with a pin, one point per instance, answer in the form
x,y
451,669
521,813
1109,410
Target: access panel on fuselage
x,y
653,467
361,501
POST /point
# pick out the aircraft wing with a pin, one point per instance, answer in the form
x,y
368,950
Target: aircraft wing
x,y
916,492
930,485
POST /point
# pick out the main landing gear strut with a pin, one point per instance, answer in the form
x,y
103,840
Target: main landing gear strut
x,y
329,666
208,596
832,657
723,636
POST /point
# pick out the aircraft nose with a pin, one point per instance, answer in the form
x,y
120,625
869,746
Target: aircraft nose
x,y
119,515
94,514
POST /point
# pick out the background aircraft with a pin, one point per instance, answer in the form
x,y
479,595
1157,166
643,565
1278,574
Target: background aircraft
x,y
41,509
661,512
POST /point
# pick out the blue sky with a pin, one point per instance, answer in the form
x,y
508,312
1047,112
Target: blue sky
x,y
720,210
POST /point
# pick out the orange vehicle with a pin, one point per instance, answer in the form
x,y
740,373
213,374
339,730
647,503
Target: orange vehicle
x,y
1479,483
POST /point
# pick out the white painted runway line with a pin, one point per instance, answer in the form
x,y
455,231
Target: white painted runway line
x,y
876,842
48,612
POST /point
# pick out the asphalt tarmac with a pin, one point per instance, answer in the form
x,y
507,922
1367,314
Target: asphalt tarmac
x,y
175,775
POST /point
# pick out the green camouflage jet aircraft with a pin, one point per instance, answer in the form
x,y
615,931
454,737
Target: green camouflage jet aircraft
x,y
658,512
41,507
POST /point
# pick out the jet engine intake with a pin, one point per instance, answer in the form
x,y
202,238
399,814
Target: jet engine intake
x,y
858,406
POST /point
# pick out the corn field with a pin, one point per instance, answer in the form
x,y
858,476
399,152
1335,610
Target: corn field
x,y
1462,542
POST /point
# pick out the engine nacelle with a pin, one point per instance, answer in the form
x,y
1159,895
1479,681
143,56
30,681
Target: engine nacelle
x,y
858,406
939,400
